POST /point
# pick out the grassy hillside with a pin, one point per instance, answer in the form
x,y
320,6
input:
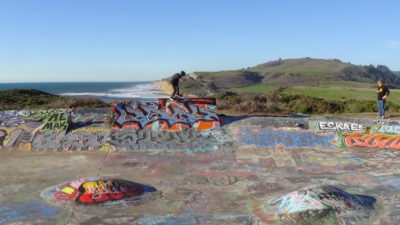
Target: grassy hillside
x,y
295,72
330,93
282,101
305,66
31,99
339,86
305,72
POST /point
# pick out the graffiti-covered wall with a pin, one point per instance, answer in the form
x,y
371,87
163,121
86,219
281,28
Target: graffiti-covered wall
x,y
18,128
189,126
382,134
165,115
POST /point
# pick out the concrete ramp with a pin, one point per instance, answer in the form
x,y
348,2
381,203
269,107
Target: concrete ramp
x,y
166,115
159,166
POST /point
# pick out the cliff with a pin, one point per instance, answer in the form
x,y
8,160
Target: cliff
x,y
191,87
164,86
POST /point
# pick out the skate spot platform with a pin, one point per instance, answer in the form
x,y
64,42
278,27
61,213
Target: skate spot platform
x,y
188,126
255,162
166,115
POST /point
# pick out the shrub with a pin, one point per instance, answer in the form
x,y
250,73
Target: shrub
x,y
277,102
31,99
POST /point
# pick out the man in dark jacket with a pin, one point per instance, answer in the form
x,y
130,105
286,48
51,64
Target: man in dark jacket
x,y
175,83
383,92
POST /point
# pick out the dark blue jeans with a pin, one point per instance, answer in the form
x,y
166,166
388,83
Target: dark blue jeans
x,y
381,107
176,90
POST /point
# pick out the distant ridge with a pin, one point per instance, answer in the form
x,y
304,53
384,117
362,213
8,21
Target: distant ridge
x,y
290,72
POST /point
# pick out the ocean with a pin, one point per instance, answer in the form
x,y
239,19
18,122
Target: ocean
x,y
106,91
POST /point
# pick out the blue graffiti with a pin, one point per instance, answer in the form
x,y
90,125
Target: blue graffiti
x,y
148,113
390,129
25,210
267,137
363,200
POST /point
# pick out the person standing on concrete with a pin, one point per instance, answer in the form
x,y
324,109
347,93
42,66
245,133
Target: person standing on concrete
x,y
383,92
175,84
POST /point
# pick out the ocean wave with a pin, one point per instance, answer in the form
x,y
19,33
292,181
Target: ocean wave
x,y
100,94
148,91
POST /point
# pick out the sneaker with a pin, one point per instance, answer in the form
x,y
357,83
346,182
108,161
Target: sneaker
x,y
382,117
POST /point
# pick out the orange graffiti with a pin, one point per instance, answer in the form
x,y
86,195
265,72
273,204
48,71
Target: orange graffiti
x,y
372,140
205,125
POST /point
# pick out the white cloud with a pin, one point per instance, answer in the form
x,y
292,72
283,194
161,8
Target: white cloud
x,y
393,44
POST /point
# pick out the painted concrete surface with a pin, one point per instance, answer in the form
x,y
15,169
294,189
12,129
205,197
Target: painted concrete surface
x,y
196,188
229,173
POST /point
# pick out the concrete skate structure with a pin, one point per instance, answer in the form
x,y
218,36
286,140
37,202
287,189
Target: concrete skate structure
x,y
192,166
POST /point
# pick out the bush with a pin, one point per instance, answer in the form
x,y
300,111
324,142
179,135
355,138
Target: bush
x,y
277,102
32,99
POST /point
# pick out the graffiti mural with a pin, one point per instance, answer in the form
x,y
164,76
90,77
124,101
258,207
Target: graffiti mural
x,y
315,205
21,126
12,118
92,138
165,115
19,136
25,210
161,141
248,136
339,126
371,140
389,129
99,190
55,121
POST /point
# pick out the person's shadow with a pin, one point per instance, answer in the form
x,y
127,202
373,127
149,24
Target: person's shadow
x,y
226,120
76,125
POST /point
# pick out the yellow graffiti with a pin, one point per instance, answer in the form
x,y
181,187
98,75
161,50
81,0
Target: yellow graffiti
x,y
98,186
68,190
92,129
107,148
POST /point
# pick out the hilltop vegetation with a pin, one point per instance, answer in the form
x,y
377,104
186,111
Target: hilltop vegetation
x,y
32,99
303,85
282,103
304,72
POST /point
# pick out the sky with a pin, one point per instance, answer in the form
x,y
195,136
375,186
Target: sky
x,y
132,40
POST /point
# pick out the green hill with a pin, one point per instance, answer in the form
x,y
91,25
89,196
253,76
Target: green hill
x,y
32,99
304,72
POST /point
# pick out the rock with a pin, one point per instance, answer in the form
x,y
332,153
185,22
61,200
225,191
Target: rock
x,y
316,205
100,191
